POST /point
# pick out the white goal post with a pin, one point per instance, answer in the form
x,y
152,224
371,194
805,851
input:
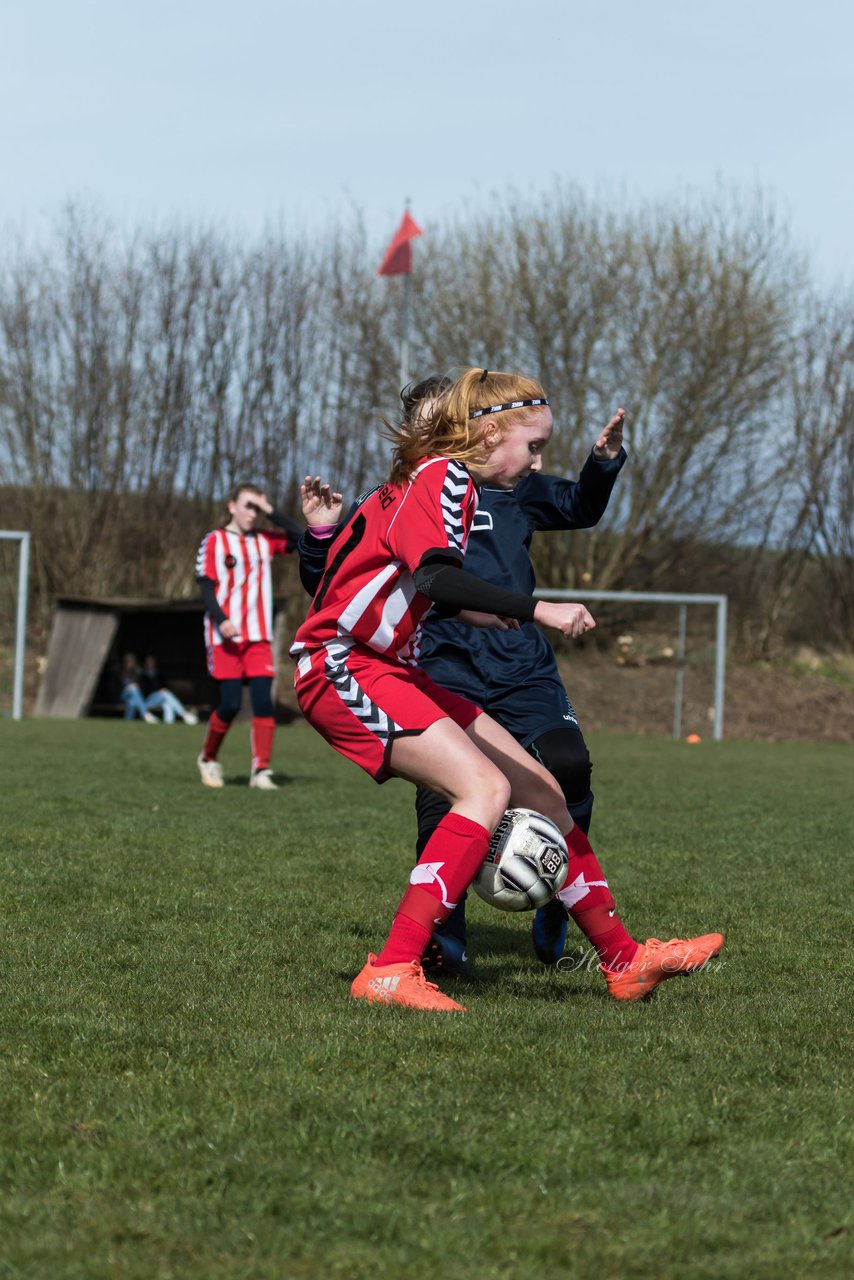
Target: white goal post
x,y
683,599
23,539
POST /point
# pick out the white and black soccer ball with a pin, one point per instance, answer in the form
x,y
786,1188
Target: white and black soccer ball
x,y
526,865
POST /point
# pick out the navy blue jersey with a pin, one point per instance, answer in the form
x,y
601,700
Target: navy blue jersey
x,y
512,675
488,665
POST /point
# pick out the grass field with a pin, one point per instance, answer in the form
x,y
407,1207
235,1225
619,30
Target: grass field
x,y
188,1091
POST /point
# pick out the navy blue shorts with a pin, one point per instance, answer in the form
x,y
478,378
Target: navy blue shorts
x,y
526,711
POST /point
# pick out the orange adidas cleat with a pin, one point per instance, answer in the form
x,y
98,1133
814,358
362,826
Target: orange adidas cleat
x,y
656,960
401,984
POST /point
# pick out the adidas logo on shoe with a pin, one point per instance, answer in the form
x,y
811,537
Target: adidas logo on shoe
x,y
401,984
384,987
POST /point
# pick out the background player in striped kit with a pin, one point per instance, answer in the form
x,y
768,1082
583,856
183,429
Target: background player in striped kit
x,y
359,685
233,570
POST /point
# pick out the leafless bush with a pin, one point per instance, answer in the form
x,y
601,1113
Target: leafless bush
x,y
808,584
682,315
140,378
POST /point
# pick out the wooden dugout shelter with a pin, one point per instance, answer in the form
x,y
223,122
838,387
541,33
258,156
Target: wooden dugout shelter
x,y
90,635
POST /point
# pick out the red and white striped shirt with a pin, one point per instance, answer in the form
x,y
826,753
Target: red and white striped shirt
x,y
367,595
240,567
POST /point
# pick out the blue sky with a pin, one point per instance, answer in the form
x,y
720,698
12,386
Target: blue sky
x,y
240,114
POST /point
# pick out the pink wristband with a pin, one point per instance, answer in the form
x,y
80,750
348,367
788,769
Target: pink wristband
x,y
322,530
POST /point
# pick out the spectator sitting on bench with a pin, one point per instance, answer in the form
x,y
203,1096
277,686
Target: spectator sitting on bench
x,y
158,697
143,692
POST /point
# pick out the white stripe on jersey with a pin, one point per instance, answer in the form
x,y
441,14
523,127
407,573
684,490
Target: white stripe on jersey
x,y
253,562
249,602
393,610
361,602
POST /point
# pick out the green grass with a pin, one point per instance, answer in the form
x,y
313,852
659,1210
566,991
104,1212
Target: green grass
x,y
188,1091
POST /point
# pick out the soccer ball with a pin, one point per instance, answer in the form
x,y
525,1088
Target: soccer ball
x,y
526,864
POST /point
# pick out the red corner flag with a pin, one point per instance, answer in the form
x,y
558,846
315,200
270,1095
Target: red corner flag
x,y
398,256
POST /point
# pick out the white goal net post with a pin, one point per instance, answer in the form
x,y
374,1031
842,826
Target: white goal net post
x,y
683,600
23,540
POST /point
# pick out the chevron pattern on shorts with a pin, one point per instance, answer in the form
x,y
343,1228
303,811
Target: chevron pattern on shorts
x,y
357,701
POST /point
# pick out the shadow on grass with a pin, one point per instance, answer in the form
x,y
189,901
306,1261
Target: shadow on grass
x,y
491,946
242,780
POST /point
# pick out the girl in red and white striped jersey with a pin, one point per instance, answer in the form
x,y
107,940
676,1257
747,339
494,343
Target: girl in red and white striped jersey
x,y
233,570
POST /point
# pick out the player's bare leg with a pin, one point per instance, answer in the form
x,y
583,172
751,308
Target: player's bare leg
x,y
445,759
531,785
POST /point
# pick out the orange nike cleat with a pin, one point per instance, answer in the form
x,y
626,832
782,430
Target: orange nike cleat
x,y
656,960
401,984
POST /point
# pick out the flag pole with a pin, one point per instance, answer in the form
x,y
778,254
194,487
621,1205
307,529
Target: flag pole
x,y
398,262
404,319
404,333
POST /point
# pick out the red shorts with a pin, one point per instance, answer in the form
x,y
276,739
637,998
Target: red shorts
x,y
240,659
361,702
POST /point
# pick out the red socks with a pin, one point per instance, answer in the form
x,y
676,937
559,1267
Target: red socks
x,y
446,868
450,862
263,728
588,900
214,734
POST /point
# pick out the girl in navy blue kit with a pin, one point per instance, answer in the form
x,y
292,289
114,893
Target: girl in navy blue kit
x,y
514,676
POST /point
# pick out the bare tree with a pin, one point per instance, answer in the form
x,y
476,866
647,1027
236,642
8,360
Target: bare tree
x,y
141,377
684,315
809,529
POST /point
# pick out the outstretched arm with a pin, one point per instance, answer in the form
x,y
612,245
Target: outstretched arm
x,y
553,502
446,584
486,621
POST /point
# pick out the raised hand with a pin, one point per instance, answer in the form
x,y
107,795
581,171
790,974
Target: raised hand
x,y
610,441
319,504
262,503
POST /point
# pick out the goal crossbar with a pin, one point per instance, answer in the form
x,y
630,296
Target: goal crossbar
x,y
683,599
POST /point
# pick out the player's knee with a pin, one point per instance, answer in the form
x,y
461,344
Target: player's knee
x,y
545,795
230,698
261,695
494,793
483,792
567,759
